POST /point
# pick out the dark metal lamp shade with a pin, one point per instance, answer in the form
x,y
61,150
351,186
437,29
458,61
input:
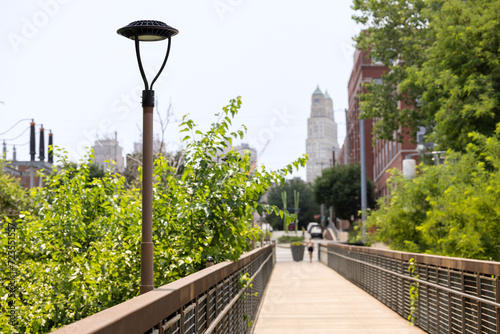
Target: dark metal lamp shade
x,y
148,31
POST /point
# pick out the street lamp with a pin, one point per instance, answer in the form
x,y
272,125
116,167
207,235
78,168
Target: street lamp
x,y
147,31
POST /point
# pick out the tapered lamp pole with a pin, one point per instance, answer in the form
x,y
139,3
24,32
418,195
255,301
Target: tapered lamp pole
x,y
147,31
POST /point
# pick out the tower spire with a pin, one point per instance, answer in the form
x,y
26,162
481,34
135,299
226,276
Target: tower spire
x,y
317,91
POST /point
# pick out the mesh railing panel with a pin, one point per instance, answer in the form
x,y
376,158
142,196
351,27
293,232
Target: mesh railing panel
x,y
201,313
450,300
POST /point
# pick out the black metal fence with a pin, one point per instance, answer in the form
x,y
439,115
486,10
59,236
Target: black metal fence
x,y
223,298
453,295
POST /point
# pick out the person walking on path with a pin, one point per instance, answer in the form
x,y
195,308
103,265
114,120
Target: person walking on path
x,y
310,248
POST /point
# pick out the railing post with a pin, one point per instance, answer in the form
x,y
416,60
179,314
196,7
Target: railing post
x,y
182,326
196,315
479,314
402,289
449,313
437,305
419,297
463,302
449,303
497,298
463,315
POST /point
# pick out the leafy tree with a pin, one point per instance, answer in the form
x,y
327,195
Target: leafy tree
x,y
395,30
95,171
308,207
443,59
340,186
78,248
132,170
134,164
460,79
210,207
451,209
13,197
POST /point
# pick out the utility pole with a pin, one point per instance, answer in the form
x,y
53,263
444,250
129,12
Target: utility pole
x,y
116,144
296,196
322,208
346,137
363,179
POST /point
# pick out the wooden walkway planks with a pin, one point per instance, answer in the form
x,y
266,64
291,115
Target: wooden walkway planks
x,y
305,297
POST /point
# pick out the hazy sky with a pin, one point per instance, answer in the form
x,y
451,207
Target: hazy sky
x,y
63,64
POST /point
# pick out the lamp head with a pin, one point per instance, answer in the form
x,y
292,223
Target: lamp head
x,y
148,31
420,148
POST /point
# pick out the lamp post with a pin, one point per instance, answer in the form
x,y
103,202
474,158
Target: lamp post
x,y
147,31
364,201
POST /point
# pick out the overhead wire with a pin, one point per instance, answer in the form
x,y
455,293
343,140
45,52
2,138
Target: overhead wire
x,y
19,145
22,120
22,133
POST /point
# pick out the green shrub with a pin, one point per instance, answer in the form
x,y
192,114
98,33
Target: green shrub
x,y
288,239
451,209
78,248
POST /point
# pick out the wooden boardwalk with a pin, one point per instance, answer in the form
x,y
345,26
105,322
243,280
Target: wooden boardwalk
x,y
304,297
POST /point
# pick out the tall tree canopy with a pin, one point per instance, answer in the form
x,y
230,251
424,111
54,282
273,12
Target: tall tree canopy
x,y
444,62
340,186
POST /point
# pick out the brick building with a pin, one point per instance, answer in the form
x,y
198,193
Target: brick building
x,y
384,155
28,172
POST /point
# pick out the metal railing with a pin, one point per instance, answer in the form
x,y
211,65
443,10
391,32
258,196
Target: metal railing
x,y
454,295
210,301
332,226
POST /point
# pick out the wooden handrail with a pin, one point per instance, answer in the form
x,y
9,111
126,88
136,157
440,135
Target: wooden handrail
x,y
141,313
470,265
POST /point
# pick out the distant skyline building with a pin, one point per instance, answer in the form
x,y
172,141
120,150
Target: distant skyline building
x,y
108,149
241,149
157,146
321,142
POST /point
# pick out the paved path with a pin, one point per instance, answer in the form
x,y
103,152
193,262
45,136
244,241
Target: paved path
x,y
305,297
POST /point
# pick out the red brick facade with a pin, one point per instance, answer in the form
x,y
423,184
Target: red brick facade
x,y
384,155
22,171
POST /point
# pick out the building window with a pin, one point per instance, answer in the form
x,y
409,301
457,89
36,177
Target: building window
x,y
316,100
